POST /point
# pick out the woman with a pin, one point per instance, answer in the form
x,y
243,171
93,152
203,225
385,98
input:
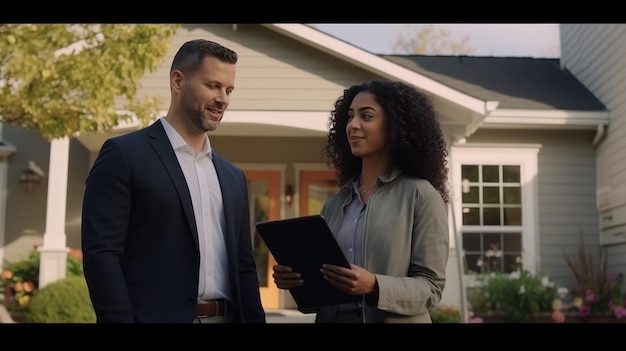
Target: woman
x,y
390,215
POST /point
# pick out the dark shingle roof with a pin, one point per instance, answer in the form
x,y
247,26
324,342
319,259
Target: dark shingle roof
x,y
516,82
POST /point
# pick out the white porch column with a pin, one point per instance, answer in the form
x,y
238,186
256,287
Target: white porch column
x,y
6,150
52,266
454,293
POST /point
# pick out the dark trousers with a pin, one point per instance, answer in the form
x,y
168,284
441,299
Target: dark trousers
x,y
350,316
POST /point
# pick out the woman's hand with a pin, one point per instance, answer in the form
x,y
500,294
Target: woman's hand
x,y
285,278
355,281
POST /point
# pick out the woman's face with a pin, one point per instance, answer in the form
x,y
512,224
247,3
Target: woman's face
x,y
367,127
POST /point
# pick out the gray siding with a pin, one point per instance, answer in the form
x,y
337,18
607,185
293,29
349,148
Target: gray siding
x,y
25,212
566,190
25,221
273,71
595,53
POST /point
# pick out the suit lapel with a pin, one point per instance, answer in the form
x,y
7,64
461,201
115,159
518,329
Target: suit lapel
x,y
226,180
163,148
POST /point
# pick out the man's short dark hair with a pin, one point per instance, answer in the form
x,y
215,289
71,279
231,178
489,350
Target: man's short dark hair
x,y
190,55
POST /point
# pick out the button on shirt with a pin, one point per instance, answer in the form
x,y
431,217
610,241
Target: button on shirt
x,y
206,197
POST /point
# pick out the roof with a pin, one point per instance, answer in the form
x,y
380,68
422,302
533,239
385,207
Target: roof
x,y
476,92
516,82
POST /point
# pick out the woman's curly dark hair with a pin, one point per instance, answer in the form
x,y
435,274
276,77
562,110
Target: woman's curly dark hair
x,y
417,142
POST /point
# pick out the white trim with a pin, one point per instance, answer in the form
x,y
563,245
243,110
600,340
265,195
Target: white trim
x,y
508,117
272,123
4,168
53,252
301,123
317,121
5,151
524,155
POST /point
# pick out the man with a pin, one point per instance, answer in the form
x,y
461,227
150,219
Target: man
x,y
165,229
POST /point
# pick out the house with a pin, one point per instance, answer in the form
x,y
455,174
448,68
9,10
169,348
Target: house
x,y
523,134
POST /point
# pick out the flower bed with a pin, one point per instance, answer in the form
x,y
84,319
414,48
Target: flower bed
x,y
524,297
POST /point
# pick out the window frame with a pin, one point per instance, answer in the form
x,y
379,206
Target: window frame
x,y
526,156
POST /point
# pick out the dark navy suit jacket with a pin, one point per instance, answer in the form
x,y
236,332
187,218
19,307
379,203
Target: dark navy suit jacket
x,y
139,236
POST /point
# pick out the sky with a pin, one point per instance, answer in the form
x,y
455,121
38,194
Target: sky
x,y
538,40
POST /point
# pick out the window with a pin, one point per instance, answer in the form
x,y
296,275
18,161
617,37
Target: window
x,y
494,204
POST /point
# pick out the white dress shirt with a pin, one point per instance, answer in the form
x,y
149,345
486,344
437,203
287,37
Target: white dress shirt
x,y
208,209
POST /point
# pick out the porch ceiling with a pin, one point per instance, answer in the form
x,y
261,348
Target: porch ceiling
x,y
94,141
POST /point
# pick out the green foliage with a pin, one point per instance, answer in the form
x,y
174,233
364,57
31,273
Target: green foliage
x,y
26,270
429,40
516,296
19,281
445,314
64,79
64,301
22,278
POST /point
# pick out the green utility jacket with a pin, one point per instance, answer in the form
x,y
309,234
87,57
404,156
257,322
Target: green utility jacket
x,y
406,247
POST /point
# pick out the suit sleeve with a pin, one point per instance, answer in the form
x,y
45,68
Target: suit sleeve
x,y
105,215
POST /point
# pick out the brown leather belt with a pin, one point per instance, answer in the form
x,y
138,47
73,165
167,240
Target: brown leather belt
x,y
211,308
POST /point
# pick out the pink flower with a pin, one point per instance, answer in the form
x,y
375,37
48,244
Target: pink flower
x,y
591,296
558,317
28,286
475,320
76,253
619,312
584,310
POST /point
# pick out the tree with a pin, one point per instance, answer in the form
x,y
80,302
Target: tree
x,y
429,41
64,79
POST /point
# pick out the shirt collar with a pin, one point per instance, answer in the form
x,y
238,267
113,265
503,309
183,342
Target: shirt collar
x,y
352,184
177,141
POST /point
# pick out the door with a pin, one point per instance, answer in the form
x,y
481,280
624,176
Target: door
x,y
264,190
315,187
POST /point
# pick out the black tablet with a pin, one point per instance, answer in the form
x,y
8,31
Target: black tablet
x,y
304,244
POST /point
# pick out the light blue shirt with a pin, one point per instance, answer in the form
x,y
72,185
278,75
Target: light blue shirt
x,y
351,234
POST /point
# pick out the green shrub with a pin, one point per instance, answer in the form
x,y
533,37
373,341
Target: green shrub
x,y
516,296
445,314
64,301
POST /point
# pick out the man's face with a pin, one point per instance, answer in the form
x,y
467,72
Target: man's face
x,y
206,94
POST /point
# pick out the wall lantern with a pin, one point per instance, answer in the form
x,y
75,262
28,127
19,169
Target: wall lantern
x,y
31,177
289,195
